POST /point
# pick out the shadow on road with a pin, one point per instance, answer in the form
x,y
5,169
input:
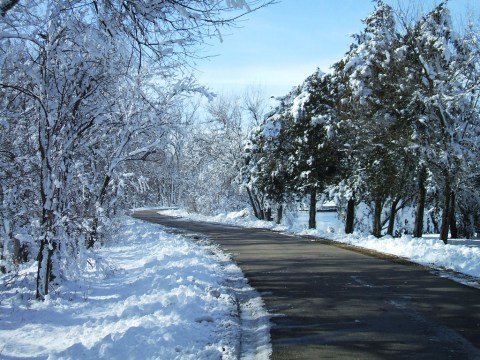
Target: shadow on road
x,y
328,302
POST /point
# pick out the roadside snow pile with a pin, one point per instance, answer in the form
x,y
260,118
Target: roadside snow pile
x,y
241,218
463,258
460,255
161,296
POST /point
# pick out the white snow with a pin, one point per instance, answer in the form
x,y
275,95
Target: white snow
x,y
154,295
460,256
272,128
299,105
148,295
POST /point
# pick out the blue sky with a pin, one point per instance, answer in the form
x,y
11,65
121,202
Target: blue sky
x,y
279,46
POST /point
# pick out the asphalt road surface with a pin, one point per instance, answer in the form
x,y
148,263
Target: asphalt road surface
x,y
331,302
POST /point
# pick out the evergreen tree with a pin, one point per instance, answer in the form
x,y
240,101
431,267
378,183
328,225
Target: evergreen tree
x,y
442,75
265,175
374,126
315,157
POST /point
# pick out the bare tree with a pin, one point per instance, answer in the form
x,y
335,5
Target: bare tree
x,y
255,104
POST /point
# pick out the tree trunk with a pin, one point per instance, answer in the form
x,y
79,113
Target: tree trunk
x,y
350,215
467,229
391,220
45,273
257,208
445,211
436,229
312,222
451,217
279,214
377,218
261,212
420,211
40,265
252,202
48,245
268,214
93,236
17,248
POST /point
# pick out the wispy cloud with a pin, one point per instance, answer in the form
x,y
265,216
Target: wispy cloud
x,y
277,79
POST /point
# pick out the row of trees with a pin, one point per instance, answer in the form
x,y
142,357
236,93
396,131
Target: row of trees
x,y
89,91
394,125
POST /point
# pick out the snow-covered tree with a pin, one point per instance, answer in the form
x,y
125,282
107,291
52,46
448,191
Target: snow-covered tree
x,y
92,84
64,76
315,157
375,130
264,173
409,106
293,153
18,191
442,73
212,158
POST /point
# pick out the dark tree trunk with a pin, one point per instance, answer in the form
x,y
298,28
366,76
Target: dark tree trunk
x,y
377,218
39,293
420,211
261,213
312,222
350,215
451,217
45,255
436,229
268,214
16,251
45,273
252,202
49,277
256,206
391,220
279,214
467,228
93,236
92,239
445,211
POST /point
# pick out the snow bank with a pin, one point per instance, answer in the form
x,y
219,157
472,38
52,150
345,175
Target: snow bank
x,y
426,251
160,296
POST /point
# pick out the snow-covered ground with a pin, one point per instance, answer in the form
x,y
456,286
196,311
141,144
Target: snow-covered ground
x,y
153,296
460,256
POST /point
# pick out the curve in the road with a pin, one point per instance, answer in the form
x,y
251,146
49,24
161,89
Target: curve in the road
x,y
328,302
